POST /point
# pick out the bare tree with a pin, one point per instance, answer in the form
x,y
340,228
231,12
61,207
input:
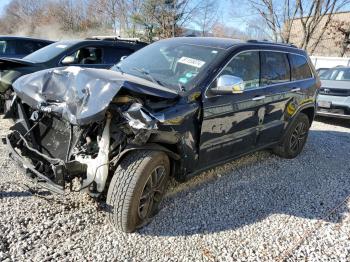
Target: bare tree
x,y
165,18
109,9
207,16
281,19
339,31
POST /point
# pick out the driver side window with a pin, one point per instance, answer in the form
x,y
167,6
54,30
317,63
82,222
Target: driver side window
x,y
86,56
246,66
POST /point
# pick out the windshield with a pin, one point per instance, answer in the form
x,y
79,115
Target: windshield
x,y
48,52
338,74
169,63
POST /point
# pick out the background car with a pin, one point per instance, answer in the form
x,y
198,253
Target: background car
x,y
96,52
18,47
334,96
320,71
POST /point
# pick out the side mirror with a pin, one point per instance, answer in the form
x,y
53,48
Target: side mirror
x,y
68,60
227,84
123,57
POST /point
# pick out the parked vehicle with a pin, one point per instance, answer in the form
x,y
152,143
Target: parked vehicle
x,y
320,71
329,62
93,53
18,47
174,108
334,96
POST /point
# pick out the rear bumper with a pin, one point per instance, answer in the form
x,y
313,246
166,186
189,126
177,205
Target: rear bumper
x,y
37,177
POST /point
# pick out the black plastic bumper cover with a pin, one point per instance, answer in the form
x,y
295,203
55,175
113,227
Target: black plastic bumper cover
x,y
43,181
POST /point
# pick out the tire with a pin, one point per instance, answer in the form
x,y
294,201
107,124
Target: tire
x,y
294,140
132,198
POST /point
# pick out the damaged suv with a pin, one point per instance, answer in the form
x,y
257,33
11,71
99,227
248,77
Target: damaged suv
x,y
174,108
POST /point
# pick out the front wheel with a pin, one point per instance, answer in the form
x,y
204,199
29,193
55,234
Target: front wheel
x,y
137,189
295,138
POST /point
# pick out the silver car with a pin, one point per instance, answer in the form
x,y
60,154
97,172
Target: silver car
x,y
334,96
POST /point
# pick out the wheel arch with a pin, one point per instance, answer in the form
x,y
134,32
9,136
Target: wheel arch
x,y
310,112
308,109
173,156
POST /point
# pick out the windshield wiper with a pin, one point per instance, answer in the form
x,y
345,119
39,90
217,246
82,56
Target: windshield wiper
x,y
146,73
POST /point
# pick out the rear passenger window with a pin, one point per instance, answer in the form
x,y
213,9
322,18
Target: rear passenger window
x,y
245,65
25,47
114,54
274,68
300,67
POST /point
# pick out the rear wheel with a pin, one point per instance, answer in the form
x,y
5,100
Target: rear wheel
x,y
295,138
137,189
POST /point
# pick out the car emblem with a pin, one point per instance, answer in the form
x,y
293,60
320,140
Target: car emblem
x,y
326,90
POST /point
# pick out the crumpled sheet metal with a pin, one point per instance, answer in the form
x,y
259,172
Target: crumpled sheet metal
x,y
140,118
79,95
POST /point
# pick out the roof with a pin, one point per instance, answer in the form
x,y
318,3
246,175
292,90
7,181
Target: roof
x,y
103,42
8,37
225,43
215,42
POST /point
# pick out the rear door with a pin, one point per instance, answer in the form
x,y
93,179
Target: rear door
x,y
276,80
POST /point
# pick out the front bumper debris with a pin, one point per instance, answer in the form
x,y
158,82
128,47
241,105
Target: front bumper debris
x,y
37,177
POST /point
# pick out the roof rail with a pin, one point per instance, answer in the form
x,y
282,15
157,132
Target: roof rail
x,y
270,42
114,38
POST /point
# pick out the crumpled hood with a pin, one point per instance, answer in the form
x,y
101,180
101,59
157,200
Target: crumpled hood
x,y
81,95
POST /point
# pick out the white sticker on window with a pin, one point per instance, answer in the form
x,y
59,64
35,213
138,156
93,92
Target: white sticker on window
x,y
191,61
61,46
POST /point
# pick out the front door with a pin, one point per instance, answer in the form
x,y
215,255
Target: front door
x,y
230,120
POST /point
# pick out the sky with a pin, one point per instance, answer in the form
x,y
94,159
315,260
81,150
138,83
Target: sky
x,y
225,5
3,3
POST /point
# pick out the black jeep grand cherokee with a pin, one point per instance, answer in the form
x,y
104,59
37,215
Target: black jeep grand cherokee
x,y
174,108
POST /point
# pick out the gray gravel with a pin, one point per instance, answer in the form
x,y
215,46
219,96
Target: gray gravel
x,y
254,208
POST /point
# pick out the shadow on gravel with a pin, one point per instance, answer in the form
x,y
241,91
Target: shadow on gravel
x,y
15,194
258,186
334,121
22,194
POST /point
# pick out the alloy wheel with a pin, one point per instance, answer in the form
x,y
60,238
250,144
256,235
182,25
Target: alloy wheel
x,y
152,192
298,137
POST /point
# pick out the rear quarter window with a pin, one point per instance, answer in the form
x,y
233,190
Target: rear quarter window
x,y
274,68
300,67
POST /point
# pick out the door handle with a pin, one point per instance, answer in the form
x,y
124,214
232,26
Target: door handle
x,y
258,98
295,89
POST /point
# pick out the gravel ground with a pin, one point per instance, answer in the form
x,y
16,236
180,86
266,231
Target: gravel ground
x,y
259,207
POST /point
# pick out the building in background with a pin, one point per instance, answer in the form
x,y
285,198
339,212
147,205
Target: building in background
x,y
334,42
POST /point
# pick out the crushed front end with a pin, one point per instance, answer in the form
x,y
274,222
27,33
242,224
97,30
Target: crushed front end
x,y
71,126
